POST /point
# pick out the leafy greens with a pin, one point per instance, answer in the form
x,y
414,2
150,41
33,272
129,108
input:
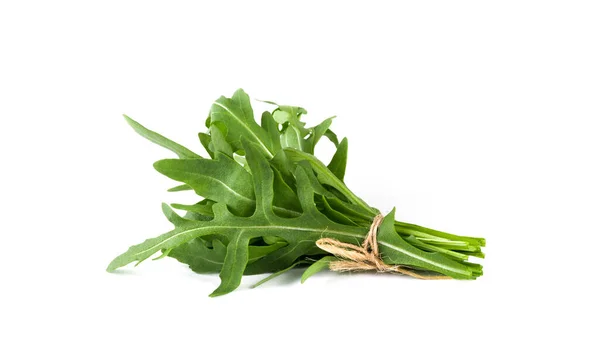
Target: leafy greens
x,y
266,200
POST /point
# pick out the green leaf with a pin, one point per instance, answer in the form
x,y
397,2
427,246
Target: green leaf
x,y
351,211
160,140
326,177
293,128
292,138
337,166
172,216
205,140
234,265
316,133
180,188
224,180
270,126
199,257
313,181
203,259
221,179
322,128
289,114
318,266
332,137
300,233
218,141
285,200
284,166
203,207
236,114
190,215
334,214
257,252
146,249
306,243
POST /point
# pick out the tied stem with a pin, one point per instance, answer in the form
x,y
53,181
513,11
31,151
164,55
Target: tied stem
x,y
365,257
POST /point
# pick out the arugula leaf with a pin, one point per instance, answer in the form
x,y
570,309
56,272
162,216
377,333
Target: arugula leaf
x,y
316,133
216,179
285,200
180,188
234,265
203,207
218,142
286,114
318,266
160,140
337,166
203,259
293,138
172,216
205,141
332,213
326,177
199,257
300,233
294,132
237,115
332,137
270,126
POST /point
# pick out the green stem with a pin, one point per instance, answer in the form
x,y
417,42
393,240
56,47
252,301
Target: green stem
x,y
424,246
419,231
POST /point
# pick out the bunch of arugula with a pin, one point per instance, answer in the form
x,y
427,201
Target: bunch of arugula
x,y
266,200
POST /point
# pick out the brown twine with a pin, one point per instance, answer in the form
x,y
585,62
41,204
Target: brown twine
x,y
365,257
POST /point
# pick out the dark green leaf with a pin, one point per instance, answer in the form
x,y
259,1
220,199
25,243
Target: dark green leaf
x,y
285,198
300,233
326,177
234,265
270,126
316,133
337,166
236,114
221,179
334,214
199,257
203,259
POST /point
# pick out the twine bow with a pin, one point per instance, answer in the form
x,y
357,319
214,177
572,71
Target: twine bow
x,y
365,257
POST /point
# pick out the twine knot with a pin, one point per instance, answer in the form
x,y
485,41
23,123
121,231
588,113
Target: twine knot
x,y
365,257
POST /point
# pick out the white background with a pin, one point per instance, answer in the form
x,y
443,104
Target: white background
x,y
473,117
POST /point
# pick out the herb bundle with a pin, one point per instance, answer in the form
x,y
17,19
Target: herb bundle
x,y
269,205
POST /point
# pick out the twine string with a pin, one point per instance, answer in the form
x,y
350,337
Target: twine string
x,y
365,257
